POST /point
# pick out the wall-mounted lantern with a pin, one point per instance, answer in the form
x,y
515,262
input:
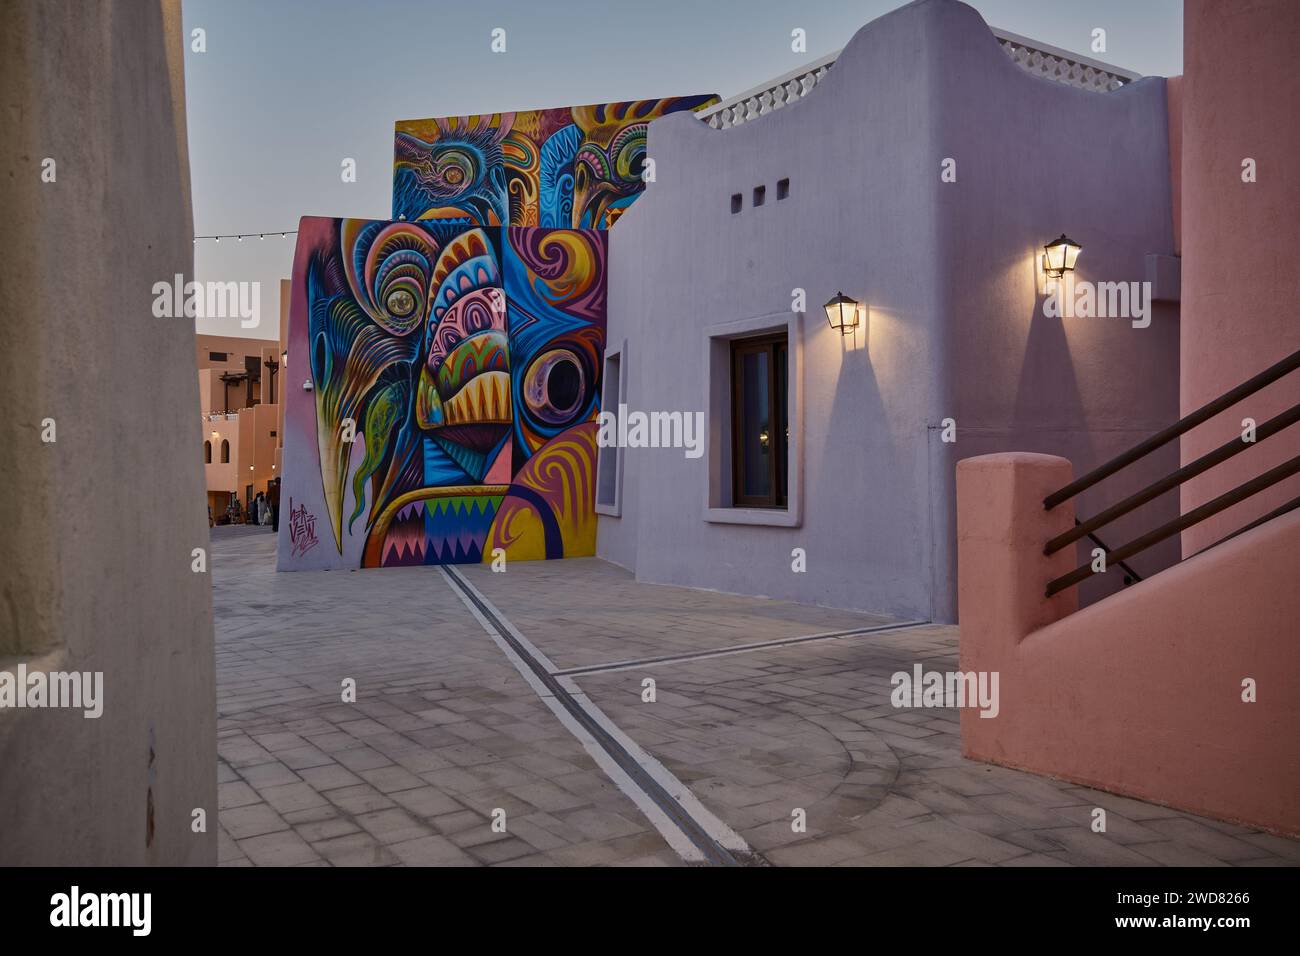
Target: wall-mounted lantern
x,y
1059,256
306,386
284,358
843,313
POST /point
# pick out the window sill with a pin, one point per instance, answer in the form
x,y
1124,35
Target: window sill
x,y
771,517
610,511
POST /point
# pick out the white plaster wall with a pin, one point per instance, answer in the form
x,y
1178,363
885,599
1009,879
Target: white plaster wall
x,y
947,269
861,216
99,526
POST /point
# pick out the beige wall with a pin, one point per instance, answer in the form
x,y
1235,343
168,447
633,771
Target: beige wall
x,y
235,347
221,476
250,434
211,397
99,88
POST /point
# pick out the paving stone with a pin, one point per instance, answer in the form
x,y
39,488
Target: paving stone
x,y
425,801
392,825
501,851
235,794
303,758
389,779
268,774
285,848
329,777
359,799
227,849
548,797
355,849
254,820
317,830
1085,848
292,796
599,826
1196,834
362,758
431,851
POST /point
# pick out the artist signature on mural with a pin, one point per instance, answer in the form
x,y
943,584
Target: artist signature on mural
x,y
302,529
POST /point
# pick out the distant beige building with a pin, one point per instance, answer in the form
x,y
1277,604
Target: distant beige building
x,y
240,383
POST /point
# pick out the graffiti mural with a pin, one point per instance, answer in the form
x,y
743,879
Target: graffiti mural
x,y
451,381
576,167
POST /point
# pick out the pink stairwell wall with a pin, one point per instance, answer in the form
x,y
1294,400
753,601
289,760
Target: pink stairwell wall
x,y
1141,693
1241,241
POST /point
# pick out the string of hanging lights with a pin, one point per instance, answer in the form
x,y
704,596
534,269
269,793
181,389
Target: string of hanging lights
x,y
240,237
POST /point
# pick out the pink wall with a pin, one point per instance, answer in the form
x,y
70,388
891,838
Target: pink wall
x,y
1241,270
1174,101
1140,694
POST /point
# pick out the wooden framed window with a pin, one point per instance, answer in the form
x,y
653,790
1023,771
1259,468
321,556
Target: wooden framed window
x,y
759,428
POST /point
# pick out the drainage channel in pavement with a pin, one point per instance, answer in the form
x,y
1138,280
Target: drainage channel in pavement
x,y
693,832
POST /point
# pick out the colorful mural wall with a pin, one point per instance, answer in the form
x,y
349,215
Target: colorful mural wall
x,y
450,384
574,167
450,358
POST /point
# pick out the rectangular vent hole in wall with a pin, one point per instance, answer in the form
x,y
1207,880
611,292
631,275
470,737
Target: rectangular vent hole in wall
x,y
782,189
735,203
760,195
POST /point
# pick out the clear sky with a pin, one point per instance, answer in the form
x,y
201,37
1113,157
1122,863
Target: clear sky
x,y
287,89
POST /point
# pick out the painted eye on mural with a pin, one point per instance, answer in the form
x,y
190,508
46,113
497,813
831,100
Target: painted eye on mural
x,y
455,168
401,303
554,386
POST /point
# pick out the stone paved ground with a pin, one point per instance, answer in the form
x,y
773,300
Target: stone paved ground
x,y
445,731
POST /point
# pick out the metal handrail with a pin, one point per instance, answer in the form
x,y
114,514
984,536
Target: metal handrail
x,y
1225,451
1277,512
1184,424
1210,508
1226,500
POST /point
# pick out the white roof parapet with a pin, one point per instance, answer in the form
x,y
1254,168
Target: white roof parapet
x,y
768,97
1040,59
1063,66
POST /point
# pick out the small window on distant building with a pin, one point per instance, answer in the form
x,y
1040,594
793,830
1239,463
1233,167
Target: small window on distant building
x,y
736,202
225,451
272,434
207,453
782,188
759,429
217,356
760,195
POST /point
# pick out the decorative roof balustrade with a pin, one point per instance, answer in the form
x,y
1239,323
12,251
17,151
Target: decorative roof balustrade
x,y
1031,56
